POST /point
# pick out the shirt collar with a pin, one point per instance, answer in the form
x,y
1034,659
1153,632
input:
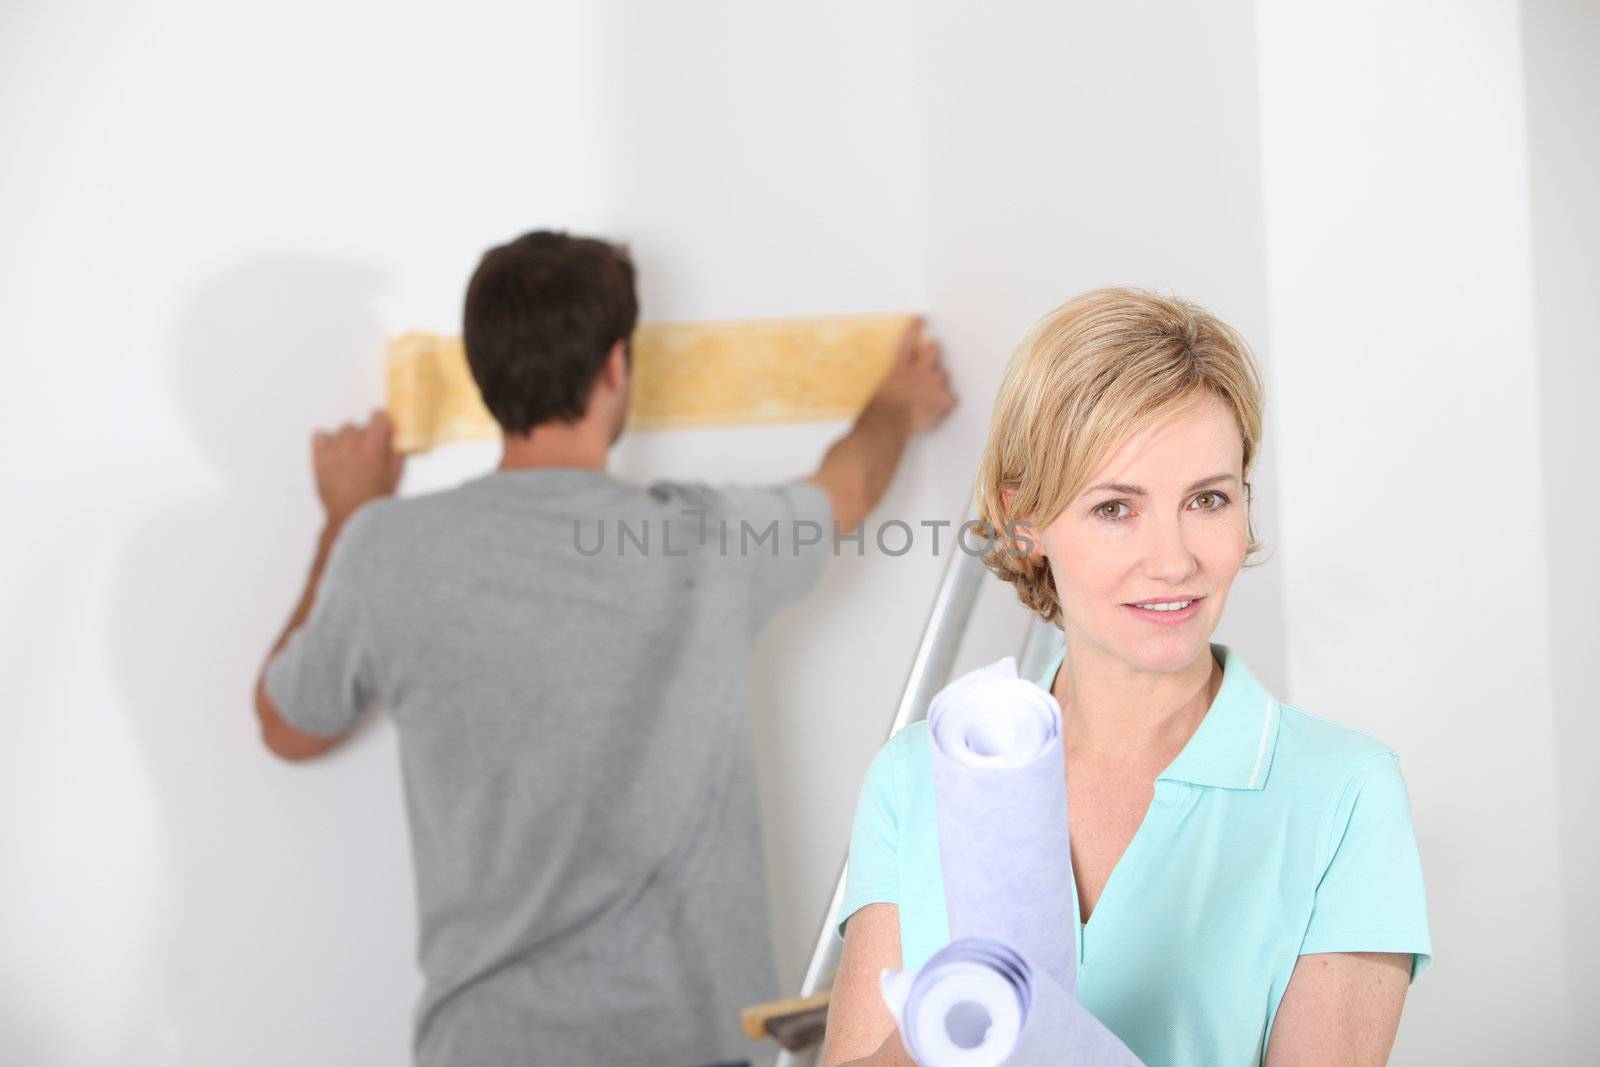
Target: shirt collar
x,y
1233,745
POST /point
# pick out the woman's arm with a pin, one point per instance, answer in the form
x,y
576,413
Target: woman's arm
x,y
861,1032
1340,1008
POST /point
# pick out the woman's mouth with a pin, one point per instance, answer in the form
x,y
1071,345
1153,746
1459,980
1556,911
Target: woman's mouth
x,y
1166,612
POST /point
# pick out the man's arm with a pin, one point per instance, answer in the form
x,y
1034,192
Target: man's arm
x,y
1340,1008
277,734
353,465
914,396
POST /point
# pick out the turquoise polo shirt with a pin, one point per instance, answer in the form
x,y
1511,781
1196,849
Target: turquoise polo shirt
x,y
1273,834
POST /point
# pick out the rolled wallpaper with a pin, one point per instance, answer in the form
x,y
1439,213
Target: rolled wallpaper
x,y
1004,991
1000,788
978,1003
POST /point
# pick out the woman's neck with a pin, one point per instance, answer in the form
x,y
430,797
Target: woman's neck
x,y
1112,712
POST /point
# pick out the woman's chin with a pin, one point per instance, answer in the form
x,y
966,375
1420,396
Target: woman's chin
x,y
1167,653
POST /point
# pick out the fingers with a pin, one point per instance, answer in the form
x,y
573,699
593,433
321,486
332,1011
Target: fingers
x,y
356,463
933,363
397,458
377,425
941,375
911,340
381,428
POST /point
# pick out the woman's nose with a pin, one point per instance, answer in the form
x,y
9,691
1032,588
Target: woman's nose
x,y
1167,554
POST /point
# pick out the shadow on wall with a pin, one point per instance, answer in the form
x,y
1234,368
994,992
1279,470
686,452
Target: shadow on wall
x,y
289,907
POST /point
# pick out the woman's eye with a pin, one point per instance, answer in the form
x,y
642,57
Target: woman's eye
x,y
1112,509
1210,501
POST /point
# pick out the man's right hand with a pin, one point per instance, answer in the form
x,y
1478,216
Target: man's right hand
x,y
917,386
912,397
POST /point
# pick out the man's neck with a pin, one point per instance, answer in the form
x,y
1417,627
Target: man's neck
x,y
555,445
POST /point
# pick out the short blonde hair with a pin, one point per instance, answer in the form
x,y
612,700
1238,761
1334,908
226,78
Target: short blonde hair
x,y
1089,376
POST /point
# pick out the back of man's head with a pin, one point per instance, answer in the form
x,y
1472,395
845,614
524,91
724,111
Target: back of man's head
x,y
542,313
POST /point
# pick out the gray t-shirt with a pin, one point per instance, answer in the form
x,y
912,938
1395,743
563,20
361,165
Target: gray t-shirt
x,y
564,658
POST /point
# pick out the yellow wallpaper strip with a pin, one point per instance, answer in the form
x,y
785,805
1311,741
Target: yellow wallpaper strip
x,y
684,375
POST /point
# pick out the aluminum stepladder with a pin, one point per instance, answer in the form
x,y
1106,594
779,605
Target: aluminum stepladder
x,y
930,670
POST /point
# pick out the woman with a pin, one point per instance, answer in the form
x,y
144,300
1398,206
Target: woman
x,y
1247,879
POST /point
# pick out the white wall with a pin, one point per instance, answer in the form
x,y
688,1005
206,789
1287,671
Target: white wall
x,y
1409,423
1066,147
212,216
1560,39
212,219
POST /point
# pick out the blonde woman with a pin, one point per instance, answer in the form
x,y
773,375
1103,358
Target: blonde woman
x,y
1247,880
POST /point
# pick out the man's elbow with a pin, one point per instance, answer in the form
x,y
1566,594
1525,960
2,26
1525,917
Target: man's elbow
x,y
287,748
283,740
846,501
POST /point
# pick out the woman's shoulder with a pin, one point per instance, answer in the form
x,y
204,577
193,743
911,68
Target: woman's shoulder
x,y
908,740
901,765
906,748
1315,751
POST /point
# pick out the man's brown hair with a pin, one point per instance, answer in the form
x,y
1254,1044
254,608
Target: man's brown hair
x,y
542,312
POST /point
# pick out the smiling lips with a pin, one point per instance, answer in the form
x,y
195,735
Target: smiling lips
x,y
1166,612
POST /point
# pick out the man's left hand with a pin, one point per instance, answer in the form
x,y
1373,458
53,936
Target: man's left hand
x,y
355,464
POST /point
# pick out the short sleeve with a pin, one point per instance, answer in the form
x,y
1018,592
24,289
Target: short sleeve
x,y
1371,897
322,678
783,533
873,869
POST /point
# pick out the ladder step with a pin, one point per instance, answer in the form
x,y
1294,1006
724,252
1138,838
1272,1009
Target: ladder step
x,y
794,1022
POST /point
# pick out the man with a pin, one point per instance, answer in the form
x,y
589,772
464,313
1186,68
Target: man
x,y
563,656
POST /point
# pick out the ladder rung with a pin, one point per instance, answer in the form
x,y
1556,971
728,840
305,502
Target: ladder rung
x,y
796,1022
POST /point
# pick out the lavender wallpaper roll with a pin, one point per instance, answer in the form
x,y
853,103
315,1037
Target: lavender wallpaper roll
x,y
978,1003
1000,789
1003,992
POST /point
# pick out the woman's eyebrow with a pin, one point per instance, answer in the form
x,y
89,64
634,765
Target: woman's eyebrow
x,y
1133,490
1213,480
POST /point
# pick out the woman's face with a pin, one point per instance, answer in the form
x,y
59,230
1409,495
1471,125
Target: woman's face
x,y
1144,557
